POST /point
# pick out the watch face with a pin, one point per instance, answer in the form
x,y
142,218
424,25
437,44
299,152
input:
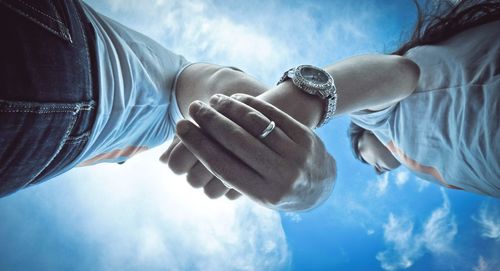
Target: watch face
x,y
314,76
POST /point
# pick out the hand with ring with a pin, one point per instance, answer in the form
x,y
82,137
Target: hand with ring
x,y
242,144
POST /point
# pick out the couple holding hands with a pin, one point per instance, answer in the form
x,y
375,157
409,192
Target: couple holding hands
x,y
263,145
80,89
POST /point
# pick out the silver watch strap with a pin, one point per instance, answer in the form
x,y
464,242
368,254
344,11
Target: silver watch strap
x,y
330,108
284,77
330,100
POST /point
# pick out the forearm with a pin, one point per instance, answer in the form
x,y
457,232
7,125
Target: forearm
x,y
368,82
364,82
201,81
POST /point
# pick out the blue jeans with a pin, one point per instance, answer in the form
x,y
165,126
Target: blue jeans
x,y
47,89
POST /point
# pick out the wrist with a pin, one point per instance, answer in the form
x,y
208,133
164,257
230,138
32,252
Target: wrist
x,y
305,108
317,83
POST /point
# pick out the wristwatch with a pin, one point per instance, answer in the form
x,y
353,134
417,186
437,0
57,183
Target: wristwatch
x,y
315,81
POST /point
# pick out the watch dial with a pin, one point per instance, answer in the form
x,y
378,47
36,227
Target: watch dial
x,y
314,76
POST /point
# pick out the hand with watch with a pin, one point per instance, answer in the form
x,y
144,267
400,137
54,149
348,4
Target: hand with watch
x,y
245,145
315,81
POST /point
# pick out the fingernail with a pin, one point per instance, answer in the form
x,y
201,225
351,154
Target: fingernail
x,y
182,128
215,99
236,96
195,106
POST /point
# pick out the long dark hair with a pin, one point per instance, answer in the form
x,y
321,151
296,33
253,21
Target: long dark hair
x,y
440,20
436,22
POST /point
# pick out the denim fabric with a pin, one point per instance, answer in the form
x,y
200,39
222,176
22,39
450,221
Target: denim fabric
x,y
47,89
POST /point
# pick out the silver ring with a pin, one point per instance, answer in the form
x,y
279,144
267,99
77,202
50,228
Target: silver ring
x,y
268,130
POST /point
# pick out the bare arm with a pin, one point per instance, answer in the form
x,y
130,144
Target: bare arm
x,y
290,169
370,82
201,81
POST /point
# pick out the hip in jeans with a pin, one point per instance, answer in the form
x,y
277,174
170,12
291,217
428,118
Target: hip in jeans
x,y
47,89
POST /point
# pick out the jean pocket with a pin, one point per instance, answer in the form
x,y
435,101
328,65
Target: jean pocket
x,y
37,140
47,14
77,137
69,151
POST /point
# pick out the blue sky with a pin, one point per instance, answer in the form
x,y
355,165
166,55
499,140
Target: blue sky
x,y
139,216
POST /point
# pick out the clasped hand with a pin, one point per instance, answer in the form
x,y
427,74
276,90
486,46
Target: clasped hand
x,y
288,170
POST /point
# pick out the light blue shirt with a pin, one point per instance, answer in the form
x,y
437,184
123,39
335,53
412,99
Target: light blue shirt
x,y
137,106
447,131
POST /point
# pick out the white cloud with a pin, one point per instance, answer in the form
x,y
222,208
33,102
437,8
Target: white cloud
x,y
184,229
405,246
295,217
440,228
191,29
265,45
379,186
402,177
489,220
382,184
422,184
481,265
140,216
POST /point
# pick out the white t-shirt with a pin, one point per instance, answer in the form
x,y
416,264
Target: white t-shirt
x,y
448,130
137,107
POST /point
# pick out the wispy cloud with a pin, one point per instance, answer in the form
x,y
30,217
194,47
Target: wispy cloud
x,y
402,177
489,221
379,186
191,29
295,217
242,35
355,211
421,184
405,245
481,265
